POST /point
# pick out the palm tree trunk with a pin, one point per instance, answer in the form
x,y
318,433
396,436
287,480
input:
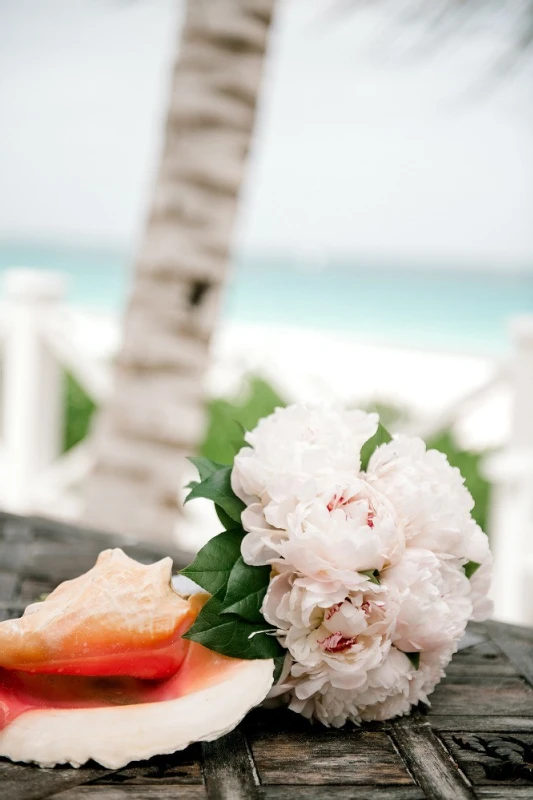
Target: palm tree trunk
x,y
156,415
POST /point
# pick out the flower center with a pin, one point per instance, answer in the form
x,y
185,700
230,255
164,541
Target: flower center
x,y
332,610
338,501
337,643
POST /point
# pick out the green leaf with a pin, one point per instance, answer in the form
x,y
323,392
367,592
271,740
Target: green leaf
x,y
246,591
414,658
205,466
226,520
232,636
192,484
217,487
381,436
372,575
212,566
278,667
470,567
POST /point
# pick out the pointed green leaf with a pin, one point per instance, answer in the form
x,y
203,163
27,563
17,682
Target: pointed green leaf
x,y
381,436
470,567
205,466
246,591
212,566
192,484
217,487
414,658
232,636
226,520
372,575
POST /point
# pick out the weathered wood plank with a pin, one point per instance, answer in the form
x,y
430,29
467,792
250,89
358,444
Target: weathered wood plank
x,y
229,770
484,659
179,768
322,756
490,724
492,696
517,644
505,792
372,792
428,760
489,758
20,782
47,558
180,792
475,634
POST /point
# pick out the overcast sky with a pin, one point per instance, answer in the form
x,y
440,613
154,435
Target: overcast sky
x,y
359,151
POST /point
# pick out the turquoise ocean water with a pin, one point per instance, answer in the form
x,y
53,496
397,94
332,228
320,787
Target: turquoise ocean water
x,y
448,309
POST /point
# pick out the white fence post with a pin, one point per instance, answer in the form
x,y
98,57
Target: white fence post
x,y
511,517
31,385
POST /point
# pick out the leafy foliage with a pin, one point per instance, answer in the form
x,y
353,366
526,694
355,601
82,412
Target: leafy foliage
x,y
217,487
231,635
231,622
470,567
228,420
381,436
372,575
246,591
414,658
213,565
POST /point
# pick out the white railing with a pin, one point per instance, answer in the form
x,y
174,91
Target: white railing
x,y
40,337
39,342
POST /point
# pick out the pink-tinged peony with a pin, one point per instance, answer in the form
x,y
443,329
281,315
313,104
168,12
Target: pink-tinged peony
x,y
297,443
349,528
435,600
428,494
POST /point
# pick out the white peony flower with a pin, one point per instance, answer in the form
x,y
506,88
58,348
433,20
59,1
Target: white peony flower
x,y
296,443
334,639
435,602
428,494
346,530
333,531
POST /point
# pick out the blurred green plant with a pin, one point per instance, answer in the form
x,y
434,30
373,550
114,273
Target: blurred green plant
x,y
79,409
229,419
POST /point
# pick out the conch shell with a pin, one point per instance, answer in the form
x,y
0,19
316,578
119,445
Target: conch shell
x,y
100,670
120,618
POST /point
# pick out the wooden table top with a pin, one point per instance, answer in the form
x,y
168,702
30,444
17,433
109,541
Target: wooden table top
x,y
476,741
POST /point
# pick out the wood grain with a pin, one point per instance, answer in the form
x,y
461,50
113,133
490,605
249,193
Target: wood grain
x,y
133,793
20,782
338,792
492,696
322,756
517,644
428,761
229,770
504,793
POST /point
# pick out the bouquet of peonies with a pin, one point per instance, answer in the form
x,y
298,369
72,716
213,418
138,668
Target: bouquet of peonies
x,y
349,557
